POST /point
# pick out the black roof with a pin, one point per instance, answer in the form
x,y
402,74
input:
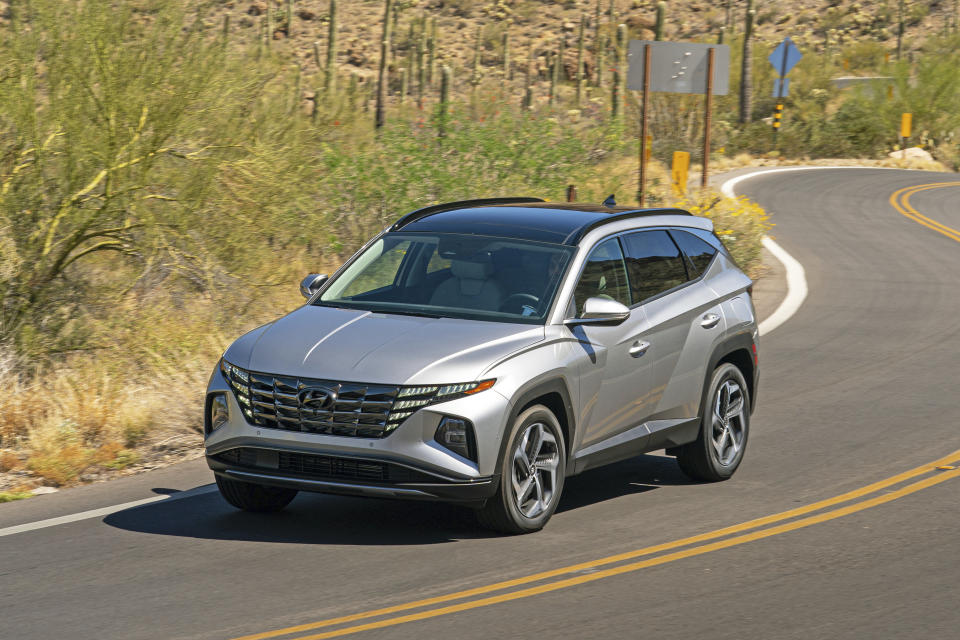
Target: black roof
x,y
521,218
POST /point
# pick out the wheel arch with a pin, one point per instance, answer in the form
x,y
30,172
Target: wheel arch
x,y
738,351
555,396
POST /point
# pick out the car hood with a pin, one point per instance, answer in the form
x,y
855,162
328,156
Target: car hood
x,y
361,346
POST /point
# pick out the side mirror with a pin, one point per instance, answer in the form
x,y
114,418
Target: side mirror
x,y
312,283
601,311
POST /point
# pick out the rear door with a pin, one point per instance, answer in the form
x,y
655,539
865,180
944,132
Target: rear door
x,y
683,321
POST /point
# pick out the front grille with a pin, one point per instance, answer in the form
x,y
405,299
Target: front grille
x,y
359,410
356,409
321,466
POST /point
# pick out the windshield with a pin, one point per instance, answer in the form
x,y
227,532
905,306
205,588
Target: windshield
x,y
452,276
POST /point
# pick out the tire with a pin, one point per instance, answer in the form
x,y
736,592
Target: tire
x,y
541,484
254,497
724,428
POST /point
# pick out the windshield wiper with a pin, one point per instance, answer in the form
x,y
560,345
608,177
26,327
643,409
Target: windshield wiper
x,y
372,309
419,314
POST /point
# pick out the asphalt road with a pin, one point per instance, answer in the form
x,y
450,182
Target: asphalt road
x,y
860,386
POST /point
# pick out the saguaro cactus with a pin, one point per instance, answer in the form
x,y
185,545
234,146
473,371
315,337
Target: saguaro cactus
x,y
661,16
330,80
900,28
405,81
380,117
421,61
746,67
289,18
555,74
580,43
527,102
599,45
477,58
432,53
620,75
446,79
269,33
507,75
353,92
296,88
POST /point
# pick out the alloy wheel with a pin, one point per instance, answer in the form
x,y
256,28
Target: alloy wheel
x,y
535,463
728,422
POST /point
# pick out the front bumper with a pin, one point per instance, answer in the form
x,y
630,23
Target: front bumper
x,y
432,471
346,476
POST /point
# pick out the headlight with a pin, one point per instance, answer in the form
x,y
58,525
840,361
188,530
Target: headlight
x,y
218,412
410,399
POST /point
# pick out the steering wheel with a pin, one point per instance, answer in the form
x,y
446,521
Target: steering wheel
x,y
517,297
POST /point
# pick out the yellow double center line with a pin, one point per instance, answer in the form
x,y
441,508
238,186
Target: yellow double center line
x,y
901,202
936,472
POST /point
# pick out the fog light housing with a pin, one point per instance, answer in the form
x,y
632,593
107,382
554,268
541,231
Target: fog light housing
x,y
218,412
456,434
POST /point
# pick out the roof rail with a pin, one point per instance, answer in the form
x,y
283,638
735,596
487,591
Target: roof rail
x,y
576,235
462,204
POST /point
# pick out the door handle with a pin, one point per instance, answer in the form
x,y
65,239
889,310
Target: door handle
x,y
639,348
709,321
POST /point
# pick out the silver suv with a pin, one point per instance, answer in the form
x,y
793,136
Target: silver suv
x,y
481,352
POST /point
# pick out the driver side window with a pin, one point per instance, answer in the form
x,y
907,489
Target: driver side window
x,y
604,276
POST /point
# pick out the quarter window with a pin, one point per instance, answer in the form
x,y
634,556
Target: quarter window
x,y
603,276
654,264
699,251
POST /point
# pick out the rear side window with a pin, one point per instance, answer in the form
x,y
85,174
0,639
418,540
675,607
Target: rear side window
x,y
711,239
654,264
699,251
603,276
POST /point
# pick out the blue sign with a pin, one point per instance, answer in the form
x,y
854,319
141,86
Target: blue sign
x,y
785,57
776,88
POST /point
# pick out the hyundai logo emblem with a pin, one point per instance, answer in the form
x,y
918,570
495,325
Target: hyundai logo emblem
x,y
316,399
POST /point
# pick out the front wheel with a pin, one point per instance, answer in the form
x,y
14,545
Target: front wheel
x,y
254,497
531,475
724,427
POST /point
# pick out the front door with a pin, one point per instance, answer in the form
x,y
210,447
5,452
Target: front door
x,y
614,374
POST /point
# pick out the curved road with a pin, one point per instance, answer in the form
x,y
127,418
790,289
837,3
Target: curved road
x,y
857,388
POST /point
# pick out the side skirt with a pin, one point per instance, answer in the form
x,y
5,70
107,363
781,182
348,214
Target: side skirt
x,y
649,436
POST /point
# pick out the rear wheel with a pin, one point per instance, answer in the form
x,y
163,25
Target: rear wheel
x,y
254,497
724,428
531,475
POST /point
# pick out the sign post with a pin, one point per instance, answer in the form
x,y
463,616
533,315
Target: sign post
x,y
642,178
708,107
676,67
784,58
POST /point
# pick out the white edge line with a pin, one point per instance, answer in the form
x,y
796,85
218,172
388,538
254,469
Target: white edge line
x,y
796,288
105,511
796,276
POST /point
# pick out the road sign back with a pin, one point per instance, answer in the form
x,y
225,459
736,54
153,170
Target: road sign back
x,y
679,67
785,57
